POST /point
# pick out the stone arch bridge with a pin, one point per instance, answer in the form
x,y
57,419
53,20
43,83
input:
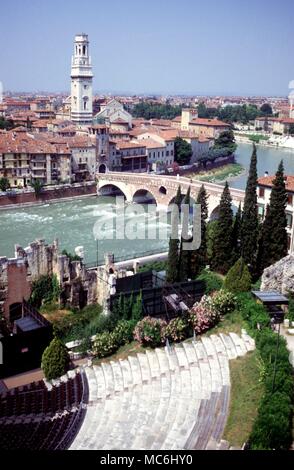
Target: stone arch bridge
x,y
163,189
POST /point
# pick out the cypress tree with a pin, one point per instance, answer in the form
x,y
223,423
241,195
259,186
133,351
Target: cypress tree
x,y
249,228
173,251
273,244
184,258
236,235
199,257
222,249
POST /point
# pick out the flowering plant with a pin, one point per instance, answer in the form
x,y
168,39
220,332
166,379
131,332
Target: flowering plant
x,y
224,301
150,332
203,315
105,344
176,330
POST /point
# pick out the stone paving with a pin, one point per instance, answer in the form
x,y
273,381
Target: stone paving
x,y
166,399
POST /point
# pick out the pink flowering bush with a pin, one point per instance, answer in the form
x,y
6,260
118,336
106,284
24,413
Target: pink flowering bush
x,y
177,330
203,315
150,332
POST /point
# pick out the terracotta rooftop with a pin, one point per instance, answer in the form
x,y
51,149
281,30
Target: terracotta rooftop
x,y
127,145
209,122
152,144
268,181
21,142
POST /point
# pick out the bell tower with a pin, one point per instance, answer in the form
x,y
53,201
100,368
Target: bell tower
x,y
81,82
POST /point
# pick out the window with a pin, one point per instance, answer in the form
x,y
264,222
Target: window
x,y
289,242
167,153
261,192
289,220
290,199
261,211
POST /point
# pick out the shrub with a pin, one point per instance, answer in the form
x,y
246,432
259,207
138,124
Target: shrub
x,y
212,281
123,332
238,278
177,330
105,344
253,312
272,428
55,360
224,302
203,316
150,332
45,290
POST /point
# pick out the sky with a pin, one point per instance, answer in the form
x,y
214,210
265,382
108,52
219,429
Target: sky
x,y
153,46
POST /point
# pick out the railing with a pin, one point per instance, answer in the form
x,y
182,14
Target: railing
x,y
77,419
171,181
118,259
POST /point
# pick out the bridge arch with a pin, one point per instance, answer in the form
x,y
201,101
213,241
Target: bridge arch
x,y
113,189
144,196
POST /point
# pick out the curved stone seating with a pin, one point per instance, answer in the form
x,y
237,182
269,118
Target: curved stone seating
x,y
168,398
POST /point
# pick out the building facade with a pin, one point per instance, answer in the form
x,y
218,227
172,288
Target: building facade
x,y
264,189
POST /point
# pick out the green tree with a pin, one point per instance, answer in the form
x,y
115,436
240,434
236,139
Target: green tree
x,y
173,251
137,308
199,257
273,243
222,249
156,111
266,109
226,140
249,228
184,257
236,234
37,186
183,151
55,360
4,184
238,278
210,237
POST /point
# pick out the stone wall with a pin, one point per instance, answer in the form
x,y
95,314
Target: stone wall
x,y
280,276
48,194
78,285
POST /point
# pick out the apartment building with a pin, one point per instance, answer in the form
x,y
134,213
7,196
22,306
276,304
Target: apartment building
x,y
132,156
24,159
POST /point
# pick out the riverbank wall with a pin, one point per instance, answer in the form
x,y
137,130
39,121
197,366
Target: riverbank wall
x,y
12,199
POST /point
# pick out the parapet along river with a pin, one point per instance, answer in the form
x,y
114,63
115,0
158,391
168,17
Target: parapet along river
x,y
74,222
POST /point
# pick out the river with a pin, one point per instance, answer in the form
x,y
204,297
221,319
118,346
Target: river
x,y
72,222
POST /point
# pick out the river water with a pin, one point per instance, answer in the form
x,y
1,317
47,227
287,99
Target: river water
x,y
73,222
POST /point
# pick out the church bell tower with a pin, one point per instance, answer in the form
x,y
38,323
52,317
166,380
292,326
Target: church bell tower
x,y
81,82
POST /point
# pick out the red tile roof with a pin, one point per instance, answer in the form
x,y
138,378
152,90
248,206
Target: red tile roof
x,y
268,181
209,122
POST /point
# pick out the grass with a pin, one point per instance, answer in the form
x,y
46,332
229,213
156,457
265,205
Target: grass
x,y
257,138
220,174
53,313
246,393
123,352
230,323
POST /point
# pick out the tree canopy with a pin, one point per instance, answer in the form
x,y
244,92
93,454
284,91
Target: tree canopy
x,y
183,151
156,111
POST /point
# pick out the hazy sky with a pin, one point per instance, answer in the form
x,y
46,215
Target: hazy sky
x,y
164,46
